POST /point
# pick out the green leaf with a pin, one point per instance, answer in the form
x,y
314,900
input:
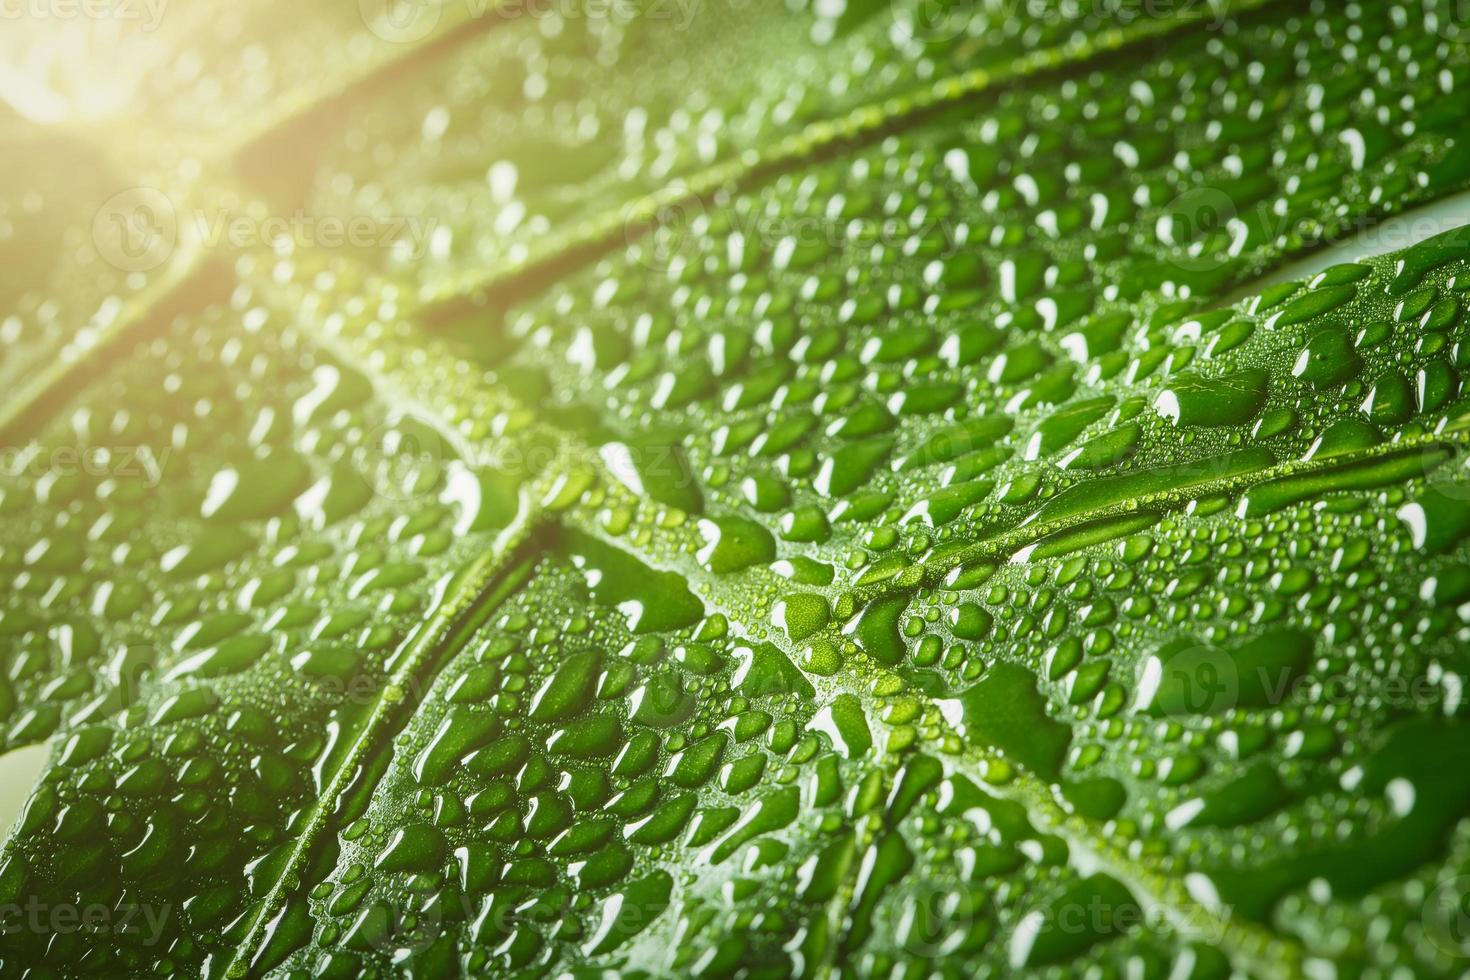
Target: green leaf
x,y
811,499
